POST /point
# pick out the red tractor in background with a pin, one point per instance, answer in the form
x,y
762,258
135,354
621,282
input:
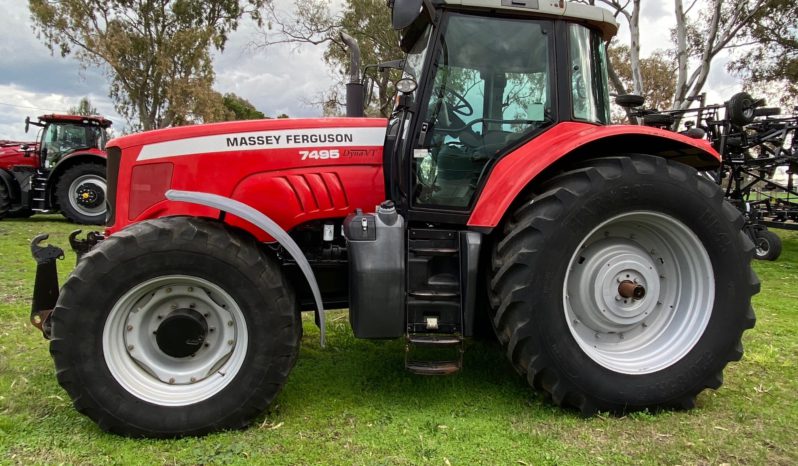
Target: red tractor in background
x,y
497,196
64,170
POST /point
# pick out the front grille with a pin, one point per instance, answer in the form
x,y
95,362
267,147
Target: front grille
x,y
112,179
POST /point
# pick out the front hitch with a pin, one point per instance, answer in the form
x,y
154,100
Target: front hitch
x,y
45,288
82,246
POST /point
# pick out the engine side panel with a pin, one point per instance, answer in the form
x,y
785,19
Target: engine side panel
x,y
293,171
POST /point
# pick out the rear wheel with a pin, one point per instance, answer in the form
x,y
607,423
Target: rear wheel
x,y
623,285
768,245
174,327
81,193
5,201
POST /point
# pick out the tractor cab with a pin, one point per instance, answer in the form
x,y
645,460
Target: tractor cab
x,y
62,135
481,79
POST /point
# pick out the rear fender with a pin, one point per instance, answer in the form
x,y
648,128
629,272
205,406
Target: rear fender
x,y
569,143
245,212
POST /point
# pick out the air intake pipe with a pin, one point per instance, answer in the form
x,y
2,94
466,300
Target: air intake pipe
x,y
354,88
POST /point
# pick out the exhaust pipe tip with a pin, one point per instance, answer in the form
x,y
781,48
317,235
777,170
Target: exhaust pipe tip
x,y
354,88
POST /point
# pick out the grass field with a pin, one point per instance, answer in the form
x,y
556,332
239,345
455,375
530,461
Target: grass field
x,y
353,403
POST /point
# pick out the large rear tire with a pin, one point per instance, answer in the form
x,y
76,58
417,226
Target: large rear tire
x,y
172,327
623,285
81,191
5,201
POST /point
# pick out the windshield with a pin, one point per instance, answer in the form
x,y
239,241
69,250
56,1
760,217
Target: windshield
x,y
414,62
589,92
62,138
491,88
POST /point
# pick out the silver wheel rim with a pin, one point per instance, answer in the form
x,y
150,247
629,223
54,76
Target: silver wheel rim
x,y
762,247
95,180
639,252
138,364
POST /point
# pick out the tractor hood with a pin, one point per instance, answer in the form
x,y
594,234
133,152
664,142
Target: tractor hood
x,y
292,170
255,135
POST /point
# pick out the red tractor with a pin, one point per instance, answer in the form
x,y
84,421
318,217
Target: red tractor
x,y
63,170
613,275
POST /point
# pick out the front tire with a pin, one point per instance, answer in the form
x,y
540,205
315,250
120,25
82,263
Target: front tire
x,y
80,193
172,327
623,285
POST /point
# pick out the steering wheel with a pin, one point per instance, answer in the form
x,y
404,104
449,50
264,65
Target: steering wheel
x,y
461,107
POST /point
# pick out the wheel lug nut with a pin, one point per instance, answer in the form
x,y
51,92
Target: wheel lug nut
x,y
173,306
160,317
168,290
230,342
193,379
130,347
229,323
190,288
207,314
129,328
192,306
171,381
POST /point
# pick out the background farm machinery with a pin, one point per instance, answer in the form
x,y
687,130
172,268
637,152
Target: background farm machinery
x,y
760,158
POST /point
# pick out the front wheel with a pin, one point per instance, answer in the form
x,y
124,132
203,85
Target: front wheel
x,y
80,192
174,327
623,285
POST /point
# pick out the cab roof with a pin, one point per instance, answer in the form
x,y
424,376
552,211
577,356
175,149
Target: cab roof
x,y
78,119
599,18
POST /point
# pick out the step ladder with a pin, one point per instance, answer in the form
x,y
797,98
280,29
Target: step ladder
x,y
441,343
433,342
38,191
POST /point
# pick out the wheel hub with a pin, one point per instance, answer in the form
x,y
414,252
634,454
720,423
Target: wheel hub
x,y
613,276
638,292
175,340
182,333
89,195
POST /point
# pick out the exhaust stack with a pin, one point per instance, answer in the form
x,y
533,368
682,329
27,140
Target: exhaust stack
x,y
354,88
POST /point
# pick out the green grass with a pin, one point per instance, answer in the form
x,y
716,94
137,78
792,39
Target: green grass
x,y
352,402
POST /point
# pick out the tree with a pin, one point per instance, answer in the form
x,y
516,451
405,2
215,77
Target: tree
x,y
769,58
367,21
155,52
240,108
703,30
84,108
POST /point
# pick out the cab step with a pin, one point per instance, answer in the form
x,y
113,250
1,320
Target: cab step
x,y
437,345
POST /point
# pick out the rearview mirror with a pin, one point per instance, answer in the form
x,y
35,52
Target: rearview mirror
x,y
404,13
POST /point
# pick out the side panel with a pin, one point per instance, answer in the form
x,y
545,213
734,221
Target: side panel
x,y
11,156
288,170
516,170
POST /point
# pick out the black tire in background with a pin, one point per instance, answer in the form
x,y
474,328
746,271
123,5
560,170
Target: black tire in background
x,y
548,337
103,334
79,181
5,201
768,245
741,109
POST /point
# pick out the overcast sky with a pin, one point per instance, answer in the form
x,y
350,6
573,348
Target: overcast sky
x,y
280,79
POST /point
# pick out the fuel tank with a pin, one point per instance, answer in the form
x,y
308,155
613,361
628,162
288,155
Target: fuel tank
x,y
292,170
